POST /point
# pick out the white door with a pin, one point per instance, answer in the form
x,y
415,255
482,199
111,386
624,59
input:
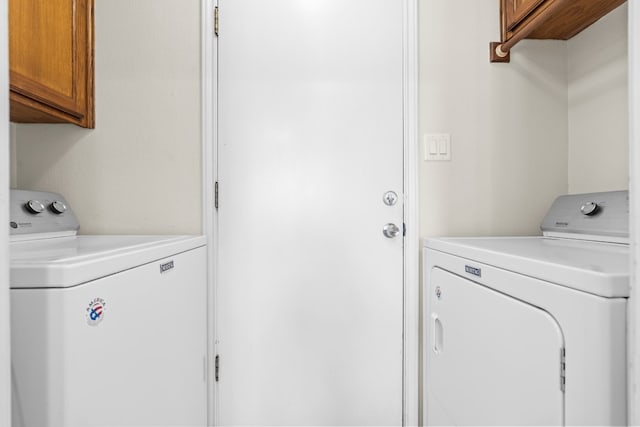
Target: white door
x,y
309,290
492,360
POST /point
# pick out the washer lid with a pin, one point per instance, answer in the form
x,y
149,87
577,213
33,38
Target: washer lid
x,y
70,261
597,268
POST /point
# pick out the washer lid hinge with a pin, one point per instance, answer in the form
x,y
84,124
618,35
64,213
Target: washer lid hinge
x,y
563,369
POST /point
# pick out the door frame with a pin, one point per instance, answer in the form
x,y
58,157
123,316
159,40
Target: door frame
x,y
633,319
411,286
5,341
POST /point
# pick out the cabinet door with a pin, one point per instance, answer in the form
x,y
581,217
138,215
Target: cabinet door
x,y
516,10
51,60
491,359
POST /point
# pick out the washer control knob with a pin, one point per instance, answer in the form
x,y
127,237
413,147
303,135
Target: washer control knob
x,y
589,208
58,207
34,207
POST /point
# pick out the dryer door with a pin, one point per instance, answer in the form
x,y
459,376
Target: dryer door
x,y
491,359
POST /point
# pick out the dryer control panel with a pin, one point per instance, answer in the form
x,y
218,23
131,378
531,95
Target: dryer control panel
x,y
590,216
35,212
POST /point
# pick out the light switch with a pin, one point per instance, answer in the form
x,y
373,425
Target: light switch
x,y
437,147
443,148
433,147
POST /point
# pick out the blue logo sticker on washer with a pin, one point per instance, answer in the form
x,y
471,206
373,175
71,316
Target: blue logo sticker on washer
x,y
95,311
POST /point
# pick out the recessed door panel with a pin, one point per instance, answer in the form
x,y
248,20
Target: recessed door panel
x,y
517,10
48,45
491,359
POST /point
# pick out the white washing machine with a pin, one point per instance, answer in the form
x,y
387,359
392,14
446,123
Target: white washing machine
x,y
105,330
530,330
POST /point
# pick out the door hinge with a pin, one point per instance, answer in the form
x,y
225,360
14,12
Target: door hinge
x,y
215,195
215,21
217,367
563,369
404,229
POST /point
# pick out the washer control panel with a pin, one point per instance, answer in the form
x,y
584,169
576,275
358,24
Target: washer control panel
x,y
34,212
593,214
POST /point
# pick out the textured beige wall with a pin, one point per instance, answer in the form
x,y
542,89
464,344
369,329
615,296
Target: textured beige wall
x,y
139,170
13,160
598,106
508,124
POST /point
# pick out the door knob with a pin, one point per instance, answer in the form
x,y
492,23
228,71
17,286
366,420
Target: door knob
x,y
390,230
390,198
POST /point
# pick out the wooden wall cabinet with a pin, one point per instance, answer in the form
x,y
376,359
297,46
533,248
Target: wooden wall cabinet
x,y
516,10
546,19
51,61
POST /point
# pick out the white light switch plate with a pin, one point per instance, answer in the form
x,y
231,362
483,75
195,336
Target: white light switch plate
x,y
437,147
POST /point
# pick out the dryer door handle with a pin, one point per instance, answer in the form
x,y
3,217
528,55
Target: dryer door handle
x,y
438,334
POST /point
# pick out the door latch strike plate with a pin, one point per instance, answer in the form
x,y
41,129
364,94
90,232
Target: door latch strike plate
x,y
215,21
215,196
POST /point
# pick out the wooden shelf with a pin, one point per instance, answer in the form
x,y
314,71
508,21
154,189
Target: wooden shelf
x,y
546,19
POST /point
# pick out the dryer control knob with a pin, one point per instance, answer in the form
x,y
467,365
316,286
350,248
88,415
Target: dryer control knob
x,y
58,207
589,208
34,207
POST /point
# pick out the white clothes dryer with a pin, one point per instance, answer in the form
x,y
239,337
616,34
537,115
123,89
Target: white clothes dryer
x,y
105,330
530,330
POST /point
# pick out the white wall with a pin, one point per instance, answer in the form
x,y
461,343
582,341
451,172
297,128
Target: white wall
x,y
5,350
598,111
13,159
139,170
508,124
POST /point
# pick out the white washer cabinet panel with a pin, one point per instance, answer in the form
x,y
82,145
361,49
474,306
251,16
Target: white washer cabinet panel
x,y
140,363
493,360
593,329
